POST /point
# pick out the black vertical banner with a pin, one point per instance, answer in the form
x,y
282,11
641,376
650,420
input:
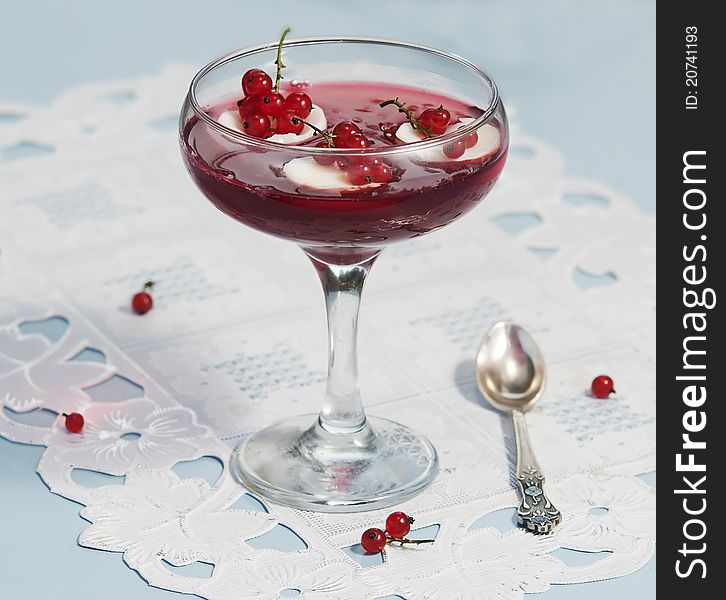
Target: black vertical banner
x,y
691,263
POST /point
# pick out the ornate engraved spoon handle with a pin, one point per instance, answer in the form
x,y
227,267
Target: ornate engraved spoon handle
x,y
535,510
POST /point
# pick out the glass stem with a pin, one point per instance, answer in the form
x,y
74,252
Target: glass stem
x,y
342,410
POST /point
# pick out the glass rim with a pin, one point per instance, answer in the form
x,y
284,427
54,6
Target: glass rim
x,y
314,150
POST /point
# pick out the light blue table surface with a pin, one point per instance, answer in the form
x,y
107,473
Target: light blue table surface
x,y
581,74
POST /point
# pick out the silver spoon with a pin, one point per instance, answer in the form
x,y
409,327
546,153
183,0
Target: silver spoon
x,y
510,372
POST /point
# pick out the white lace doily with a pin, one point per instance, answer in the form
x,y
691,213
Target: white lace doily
x,y
96,202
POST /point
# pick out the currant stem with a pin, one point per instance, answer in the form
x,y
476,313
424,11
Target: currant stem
x,y
328,136
148,286
408,541
415,123
278,60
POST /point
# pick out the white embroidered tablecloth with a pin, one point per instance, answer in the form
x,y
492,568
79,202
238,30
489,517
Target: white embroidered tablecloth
x,y
96,201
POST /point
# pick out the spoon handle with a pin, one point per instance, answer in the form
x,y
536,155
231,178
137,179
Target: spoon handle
x,y
535,510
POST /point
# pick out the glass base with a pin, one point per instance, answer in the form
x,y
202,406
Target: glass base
x,y
305,466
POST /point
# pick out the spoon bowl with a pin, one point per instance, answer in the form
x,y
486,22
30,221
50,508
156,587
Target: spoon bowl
x,y
510,368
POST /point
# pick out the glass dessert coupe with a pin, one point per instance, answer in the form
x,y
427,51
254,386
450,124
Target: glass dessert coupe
x,y
341,460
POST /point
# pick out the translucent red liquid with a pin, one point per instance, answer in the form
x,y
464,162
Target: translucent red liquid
x,y
249,184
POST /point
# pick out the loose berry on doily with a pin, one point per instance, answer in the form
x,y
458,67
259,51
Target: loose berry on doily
x,y
74,422
142,302
602,387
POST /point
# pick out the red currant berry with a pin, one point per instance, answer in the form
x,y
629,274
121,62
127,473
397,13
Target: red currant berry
x,y
359,174
272,104
435,119
323,159
455,149
371,161
382,173
256,82
471,140
398,524
289,122
355,140
373,540
342,131
256,124
249,104
602,387
142,303
299,103
74,422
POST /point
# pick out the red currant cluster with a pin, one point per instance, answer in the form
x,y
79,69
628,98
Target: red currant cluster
x,y
266,112
360,170
432,122
435,121
398,524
